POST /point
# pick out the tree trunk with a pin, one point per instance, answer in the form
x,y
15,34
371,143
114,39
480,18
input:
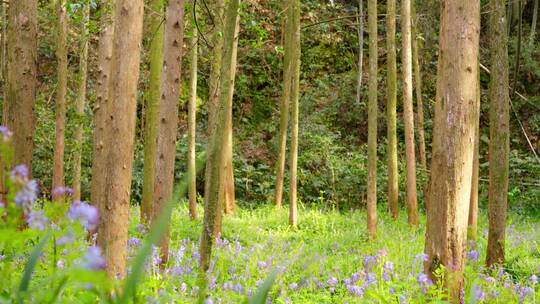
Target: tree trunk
x,y
418,86
393,174
228,178
61,92
453,142
499,129
21,82
360,20
120,132
284,105
155,24
101,111
192,124
534,22
295,95
80,104
213,204
473,206
168,113
372,121
408,113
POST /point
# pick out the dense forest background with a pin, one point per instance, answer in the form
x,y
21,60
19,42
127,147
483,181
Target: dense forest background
x,y
333,128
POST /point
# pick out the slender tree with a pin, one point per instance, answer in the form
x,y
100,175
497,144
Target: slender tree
x,y
101,110
61,92
408,113
372,121
192,122
120,132
295,95
534,21
393,175
21,65
453,137
81,102
284,106
360,20
418,86
168,112
152,99
499,130
213,204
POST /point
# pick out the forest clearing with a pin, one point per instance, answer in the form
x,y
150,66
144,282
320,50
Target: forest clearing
x,y
269,151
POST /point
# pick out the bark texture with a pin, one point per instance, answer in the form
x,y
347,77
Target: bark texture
x,y
499,133
284,106
295,96
213,208
80,103
152,105
372,121
473,206
101,110
20,98
408,113
192,124
453,142
360,20
168,113
61,92
393,174
120,132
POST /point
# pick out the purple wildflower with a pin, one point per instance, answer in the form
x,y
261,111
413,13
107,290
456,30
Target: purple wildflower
x,y
65,239
27,195
332,281
490,279
61,264
61,191
402,299
479,294
19,172
388,267
134,241
85,213
183,287
371,279
293,286
523,292
369,260
473,255
6,133
356,290
422,278
37,220
534,279
93,258
421,257
238,288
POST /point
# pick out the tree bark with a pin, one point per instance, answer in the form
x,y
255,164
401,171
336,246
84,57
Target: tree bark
x,y
284,106
408,113
20,98
360,50
120,132
168,113
453,142
499,130
213,204
534,22
192,124
393,174
418,86
155,23
101,111
61,92
80,104
295,95
372,121
473,206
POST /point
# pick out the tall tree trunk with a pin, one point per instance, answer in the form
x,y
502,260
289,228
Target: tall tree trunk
x,y
168,112
213,204
453,141
120,132
285,104
499,129
372,121
534,22
473,206
21,82
192,123
61,92
80,103
295,95
101,110
155,23
228,178
418,86
408,112
360,20
393,174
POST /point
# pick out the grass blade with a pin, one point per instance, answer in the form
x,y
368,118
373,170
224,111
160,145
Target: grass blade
x,y
262,292
30,266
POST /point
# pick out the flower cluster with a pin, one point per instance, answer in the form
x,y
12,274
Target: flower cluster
x,y
88,215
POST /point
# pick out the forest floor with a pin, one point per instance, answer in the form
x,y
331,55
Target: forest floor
x,y
329,259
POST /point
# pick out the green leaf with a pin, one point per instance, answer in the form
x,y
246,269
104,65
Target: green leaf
x,y
30,266
262,292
